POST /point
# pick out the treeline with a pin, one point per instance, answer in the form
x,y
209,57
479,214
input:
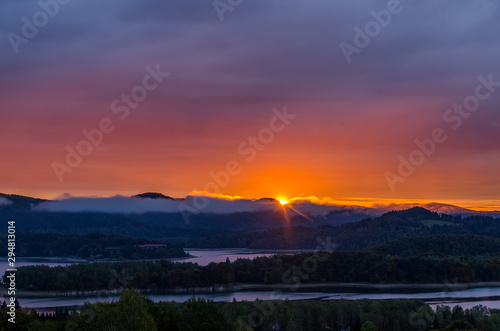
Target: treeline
x,y
363,267
160,274
92,245
414,222
135,312
383,264
460,246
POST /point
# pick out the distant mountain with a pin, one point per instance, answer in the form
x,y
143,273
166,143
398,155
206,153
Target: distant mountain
x,y
156,216
21,202
443,208
217,222
268,200
456,210
322,213
152,195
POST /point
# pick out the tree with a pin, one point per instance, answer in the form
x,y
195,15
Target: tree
x,y
201,314
369,326
458,313
132,312
459,325
443,316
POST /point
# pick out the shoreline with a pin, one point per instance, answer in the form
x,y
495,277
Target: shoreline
x,y
371,285
77,260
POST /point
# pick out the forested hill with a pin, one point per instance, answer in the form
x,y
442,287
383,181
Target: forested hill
x,y
21,202
468,246
258,230
413,222
152,223
94,245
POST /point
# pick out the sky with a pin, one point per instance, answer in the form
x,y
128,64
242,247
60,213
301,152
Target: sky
x,y
254,98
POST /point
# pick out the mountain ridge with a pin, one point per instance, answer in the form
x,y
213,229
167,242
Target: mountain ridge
x,y
302,205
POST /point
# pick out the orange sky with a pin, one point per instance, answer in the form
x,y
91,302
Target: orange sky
x,y
352,121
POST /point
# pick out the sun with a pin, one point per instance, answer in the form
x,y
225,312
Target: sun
x,y
283,201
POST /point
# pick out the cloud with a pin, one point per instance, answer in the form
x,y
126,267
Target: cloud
x,y
117,204
228,206
225,204
132,205
318,209
4,201
202,201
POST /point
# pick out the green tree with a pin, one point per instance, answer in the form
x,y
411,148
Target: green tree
x,y
369,326
201,314
458,313
459,325
133,314
24,320
97,316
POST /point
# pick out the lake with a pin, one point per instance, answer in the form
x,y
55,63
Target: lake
x,y
467,298
206,256
489,297
200,256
